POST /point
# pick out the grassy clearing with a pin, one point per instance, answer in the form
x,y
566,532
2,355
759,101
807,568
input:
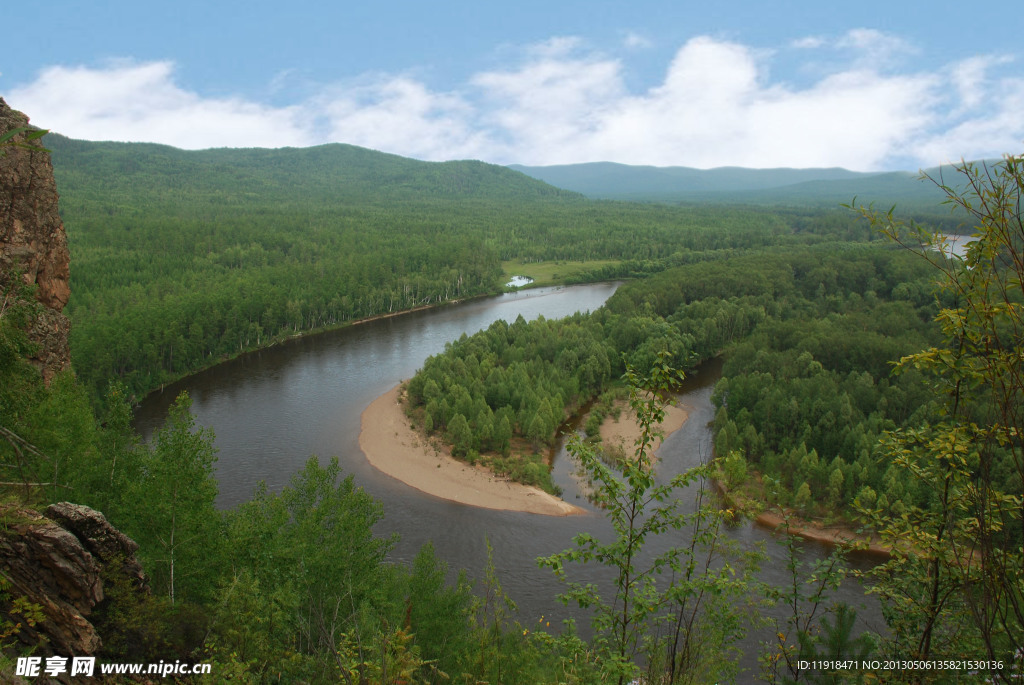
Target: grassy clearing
x,y
551,272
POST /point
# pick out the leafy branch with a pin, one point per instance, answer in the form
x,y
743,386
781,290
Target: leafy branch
x,y
31,134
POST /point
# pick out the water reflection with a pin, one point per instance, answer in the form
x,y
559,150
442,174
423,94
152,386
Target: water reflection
x,y
272,409
519,282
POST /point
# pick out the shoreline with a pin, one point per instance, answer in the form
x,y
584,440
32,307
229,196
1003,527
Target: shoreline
x,y
393,447
136,400
624,431
830,535
288,339
808,530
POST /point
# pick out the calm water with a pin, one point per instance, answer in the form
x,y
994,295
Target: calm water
x,y
954,244
271,410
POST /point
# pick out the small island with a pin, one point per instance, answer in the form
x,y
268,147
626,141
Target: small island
x,y
395,447
620,430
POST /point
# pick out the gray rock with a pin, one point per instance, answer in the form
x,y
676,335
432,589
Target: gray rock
x,y
58,561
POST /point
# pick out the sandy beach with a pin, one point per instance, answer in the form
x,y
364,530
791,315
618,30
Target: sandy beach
x,y
834,535
394,447
626,431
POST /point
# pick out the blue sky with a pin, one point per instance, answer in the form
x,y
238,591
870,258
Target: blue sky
x,y
867,85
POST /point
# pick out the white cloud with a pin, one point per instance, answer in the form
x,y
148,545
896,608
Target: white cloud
x,y
564,102
141,102
399,114
549,103
991,128
873,40
712,109
557,47
874,49
970,78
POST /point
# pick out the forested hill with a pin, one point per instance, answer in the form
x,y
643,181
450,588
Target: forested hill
x,y
182,258
793,187
611,179
334,171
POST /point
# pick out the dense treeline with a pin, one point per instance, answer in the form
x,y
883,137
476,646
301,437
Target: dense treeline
x,y
808,336
512,381
182,258
807,397
926,450
291,586
294,586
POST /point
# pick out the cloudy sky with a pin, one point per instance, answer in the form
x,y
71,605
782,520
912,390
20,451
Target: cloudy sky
x,y
869,85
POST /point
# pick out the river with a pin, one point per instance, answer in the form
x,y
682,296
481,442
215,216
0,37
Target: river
x,y
271,410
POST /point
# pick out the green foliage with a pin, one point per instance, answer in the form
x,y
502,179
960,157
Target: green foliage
x,y
733,469
48,436
19,613
510,382
138,626
306,569
806,599
174,501
438,614
20,386
182,258
835,643
671,623
28,134
806,397
500,654
807,334
393,658
954,581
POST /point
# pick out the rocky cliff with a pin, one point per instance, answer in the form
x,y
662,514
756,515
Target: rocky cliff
x,y
59,562
33,245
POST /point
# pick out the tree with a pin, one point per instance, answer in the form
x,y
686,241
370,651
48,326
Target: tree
x,y
460,435
805,602
175,518
664,620
958,560
438,613
308,556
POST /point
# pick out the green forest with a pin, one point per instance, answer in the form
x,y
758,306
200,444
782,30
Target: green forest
x,y
862,380
184,258
808,343
875,385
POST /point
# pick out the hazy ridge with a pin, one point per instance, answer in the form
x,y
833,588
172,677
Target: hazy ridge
x,y
827,187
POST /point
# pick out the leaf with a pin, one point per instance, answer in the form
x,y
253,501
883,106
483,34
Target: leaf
x,y
30,135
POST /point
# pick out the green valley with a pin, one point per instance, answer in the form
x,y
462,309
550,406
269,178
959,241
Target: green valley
x,y
863,382
182,259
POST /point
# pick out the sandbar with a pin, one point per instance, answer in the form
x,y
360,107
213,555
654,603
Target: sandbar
x,y
625,431
833,535
394,447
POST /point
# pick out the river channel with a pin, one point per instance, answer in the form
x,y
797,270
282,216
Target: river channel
x,y
271,410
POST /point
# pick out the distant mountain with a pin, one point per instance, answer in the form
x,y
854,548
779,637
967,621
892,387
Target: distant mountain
x,y
332,171
800,187
623,181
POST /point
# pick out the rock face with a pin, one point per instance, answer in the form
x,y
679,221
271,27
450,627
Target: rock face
x,y
58,561
33,243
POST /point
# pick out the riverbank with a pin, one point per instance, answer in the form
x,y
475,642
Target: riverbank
x,y
280,340
392,446
830,535
787,522
621,434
